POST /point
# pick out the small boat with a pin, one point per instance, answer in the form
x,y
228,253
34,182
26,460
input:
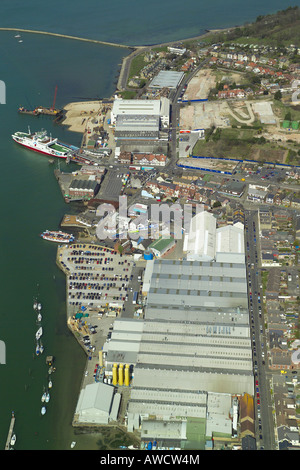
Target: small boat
x,y
39,317
50,384
39,306
37,349
35,305
21,40
41,348
13,440
47,399
43,410
73,444
39,333
44,397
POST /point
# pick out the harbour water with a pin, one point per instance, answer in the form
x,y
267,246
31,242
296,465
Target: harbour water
x,y
30,197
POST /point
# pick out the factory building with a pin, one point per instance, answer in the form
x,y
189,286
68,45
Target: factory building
x,y
135,126
98,404
203,241
189,361
167,79
147,111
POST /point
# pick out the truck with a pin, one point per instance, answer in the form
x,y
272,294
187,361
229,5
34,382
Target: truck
x,y
134,299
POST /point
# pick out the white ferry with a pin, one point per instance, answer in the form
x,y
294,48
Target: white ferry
x,y
42,143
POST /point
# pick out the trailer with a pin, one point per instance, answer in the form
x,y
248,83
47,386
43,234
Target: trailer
x,y
134,299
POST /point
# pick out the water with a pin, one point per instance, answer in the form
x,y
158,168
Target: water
x,y
30,196
134,22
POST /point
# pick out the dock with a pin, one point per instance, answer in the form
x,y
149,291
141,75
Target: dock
x,y
10,431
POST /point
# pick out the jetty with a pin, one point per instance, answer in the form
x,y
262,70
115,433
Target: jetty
x,y
66,36
10,431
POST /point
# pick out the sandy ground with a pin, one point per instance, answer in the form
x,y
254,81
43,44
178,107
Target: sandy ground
x,y
79,115
204,115
200,85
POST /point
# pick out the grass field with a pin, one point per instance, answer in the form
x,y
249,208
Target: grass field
x,y
241,144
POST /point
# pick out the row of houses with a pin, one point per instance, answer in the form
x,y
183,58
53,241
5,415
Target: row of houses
x,y
276,237
129,158
262,194
251,67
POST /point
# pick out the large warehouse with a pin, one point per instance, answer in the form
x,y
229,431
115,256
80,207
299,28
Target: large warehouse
x,y
193,343
143,108
205,242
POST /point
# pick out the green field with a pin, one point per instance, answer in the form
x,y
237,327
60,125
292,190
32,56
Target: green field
x,y
240,144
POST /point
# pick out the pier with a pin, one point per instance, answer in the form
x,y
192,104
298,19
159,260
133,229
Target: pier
x,y
10,431
66,36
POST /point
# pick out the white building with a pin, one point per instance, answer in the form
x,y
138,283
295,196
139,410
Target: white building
x,y
230,244
204,242
97,404
199,241
150,108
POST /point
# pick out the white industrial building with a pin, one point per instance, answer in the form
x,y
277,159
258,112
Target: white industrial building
x,y
191,354
200,239
145,109
203,241
98,404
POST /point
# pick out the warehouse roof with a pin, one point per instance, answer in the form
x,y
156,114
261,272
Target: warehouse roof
x,y
167,79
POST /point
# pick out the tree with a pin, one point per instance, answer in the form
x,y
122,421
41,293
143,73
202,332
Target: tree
x,y
278,95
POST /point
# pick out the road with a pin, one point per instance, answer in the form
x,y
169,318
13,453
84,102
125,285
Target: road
x,y
263,406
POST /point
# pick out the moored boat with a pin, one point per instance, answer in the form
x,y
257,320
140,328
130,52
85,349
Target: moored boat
x,y
57,236
42,143
43,410
13,440
39,333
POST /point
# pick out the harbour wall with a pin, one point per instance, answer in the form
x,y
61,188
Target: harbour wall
x,y
66,36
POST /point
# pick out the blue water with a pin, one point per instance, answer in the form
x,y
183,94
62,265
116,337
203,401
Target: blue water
x,y
30,197
134,22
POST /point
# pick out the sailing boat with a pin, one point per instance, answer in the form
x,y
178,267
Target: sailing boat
x,y
41,348
37,349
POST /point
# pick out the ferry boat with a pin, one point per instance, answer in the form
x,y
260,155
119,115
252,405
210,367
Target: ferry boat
x,y
42,143
57,236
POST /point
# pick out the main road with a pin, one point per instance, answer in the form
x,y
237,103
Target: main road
x,y
264,421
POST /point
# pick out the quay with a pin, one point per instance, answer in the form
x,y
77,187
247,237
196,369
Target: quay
x,y
10,431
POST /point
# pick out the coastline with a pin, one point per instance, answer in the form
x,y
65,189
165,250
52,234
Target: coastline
x,y
75,111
